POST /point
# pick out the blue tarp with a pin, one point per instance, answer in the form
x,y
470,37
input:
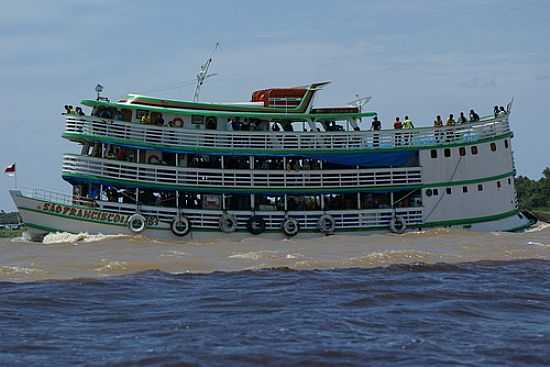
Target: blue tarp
x,y
371,159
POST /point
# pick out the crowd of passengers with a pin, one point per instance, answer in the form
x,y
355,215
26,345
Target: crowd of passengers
x,y
243,201
407,123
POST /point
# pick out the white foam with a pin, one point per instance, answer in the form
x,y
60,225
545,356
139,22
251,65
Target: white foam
x,y
540,226
13,269
533,243
64,237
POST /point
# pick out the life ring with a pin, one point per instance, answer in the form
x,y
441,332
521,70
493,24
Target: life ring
x,y
291,227
256,225
180,226
211,123
326,224
154,159
398,224
177,122
136,223
228,223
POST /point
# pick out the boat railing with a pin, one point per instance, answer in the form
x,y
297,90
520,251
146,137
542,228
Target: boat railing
x,y
239,178
134,133
56,197
308,220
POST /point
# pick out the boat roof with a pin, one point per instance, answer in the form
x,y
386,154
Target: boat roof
x,y
298,109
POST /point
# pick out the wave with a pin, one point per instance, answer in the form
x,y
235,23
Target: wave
x,y
64,237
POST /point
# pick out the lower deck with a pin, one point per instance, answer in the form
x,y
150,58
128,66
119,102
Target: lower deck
x,y
44,216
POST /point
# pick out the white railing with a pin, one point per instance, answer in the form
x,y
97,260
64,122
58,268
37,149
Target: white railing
x,y
55,197
282,141
209,219
245,179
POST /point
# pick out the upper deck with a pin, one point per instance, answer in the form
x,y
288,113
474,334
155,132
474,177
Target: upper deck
x,y
185,140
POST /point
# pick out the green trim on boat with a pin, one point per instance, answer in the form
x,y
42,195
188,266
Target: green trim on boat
x,y
488,218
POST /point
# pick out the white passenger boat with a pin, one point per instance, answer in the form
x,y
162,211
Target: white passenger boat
x,y
277,165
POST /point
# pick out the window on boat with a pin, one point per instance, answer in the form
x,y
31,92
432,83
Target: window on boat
x,y
429,192
268,163
407,199
462,151
436,192
375,200
506,143
509,181
237,202
126,115
480,187
449,191
313,202
211,123
140,114
447,152
204,161
197,121
464,189
341,201
474,150
236,162
269,202
499,185
493,147
433,153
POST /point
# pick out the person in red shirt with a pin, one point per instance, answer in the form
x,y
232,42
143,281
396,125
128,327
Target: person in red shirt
x,y
398,126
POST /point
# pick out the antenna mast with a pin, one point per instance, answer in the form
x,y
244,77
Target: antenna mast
x,y
203,74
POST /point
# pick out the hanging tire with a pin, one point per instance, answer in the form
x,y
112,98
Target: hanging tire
x,y
256,225
326,224
180,226
398,224
136,223
228,223
291,227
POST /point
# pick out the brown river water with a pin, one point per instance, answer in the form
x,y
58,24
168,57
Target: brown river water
x,y
67,256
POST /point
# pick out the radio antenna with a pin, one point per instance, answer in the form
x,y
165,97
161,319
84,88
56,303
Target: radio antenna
x,y
203,74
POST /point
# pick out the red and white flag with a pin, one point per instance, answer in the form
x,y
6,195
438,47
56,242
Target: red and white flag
x,y
10,170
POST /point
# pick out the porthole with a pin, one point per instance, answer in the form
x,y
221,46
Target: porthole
x,y
447,152
480,187
464,188
449,191
433,153
493,147
474,150
462,151
429,192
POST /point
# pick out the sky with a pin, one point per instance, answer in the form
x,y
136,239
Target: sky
x,y
414,57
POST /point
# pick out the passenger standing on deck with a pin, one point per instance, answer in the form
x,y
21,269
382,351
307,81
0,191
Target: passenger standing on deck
x,y
473,116
450,123
397,125
462,119
408,124
438,124
376,125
